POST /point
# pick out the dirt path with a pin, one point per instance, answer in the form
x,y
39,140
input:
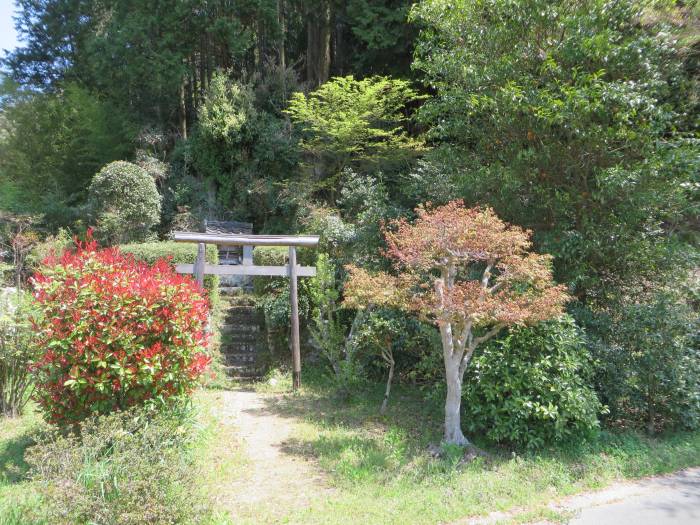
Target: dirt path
x,y
274,478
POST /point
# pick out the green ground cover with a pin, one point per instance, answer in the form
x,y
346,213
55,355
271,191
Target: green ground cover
x,y
385,474
378,467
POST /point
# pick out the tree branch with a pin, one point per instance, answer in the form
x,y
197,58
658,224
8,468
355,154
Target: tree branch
x,y
488,335
487,275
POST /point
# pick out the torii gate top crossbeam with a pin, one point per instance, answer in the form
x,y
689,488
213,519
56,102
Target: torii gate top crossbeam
x,y
247,240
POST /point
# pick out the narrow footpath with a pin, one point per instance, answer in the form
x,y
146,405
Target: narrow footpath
x,y
275,481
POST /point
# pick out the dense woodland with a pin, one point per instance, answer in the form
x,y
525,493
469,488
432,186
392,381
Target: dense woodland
x,y
577,120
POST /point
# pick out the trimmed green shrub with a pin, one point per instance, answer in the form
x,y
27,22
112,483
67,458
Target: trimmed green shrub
x,y
269,256
130,467
180,253
531,387
125,203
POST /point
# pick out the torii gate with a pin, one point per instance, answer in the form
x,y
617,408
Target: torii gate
x,y
291,270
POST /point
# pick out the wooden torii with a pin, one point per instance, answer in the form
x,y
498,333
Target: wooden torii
x,y
201,268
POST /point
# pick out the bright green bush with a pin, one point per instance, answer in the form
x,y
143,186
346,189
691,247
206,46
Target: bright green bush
x,y
532,388
126,468
125,203
181,253
362,124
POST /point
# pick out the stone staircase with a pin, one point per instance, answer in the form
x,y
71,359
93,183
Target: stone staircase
x,y
242,334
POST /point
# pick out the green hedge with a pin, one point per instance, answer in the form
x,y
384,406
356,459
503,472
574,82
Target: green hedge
x,y
182,253
269,256
532,387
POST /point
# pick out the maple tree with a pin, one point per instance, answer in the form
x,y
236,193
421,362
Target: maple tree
x,y
471,274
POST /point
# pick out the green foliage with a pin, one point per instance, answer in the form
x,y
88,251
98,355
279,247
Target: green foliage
x,y
226,109
241,152
269,256
125,203
17,352
649,362
564,117
178,253
327,332
50,245
131,467
336,235
531,387
366,205
52,144
348,122
384,38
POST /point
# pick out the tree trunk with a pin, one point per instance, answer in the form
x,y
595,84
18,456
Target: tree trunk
x,y
281,20
453,403
389,358
318,44
651,412
183,109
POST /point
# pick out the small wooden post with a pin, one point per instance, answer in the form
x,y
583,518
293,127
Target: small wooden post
x,y
199,263
296,352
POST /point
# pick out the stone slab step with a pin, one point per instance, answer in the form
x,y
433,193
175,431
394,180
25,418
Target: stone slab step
x,y
240,359
231,307
237,300
238,338
232,328
241,330
231,290
241,311
246,372
240,347
248,331
241,325
237,315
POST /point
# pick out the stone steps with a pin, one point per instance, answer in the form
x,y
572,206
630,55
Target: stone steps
x,y
242,334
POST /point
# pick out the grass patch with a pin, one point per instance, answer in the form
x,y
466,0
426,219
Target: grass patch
x,y
16,434
16,493
385,474
219,458
212,458
379,465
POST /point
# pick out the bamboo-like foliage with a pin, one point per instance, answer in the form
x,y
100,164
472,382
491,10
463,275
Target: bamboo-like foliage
x,y
16,352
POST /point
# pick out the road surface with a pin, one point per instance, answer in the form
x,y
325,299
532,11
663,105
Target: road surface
x,y
669,500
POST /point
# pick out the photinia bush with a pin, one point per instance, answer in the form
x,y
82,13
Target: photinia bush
x,y
114,333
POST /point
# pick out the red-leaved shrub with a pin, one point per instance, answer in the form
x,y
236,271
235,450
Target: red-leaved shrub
x,y
115,333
